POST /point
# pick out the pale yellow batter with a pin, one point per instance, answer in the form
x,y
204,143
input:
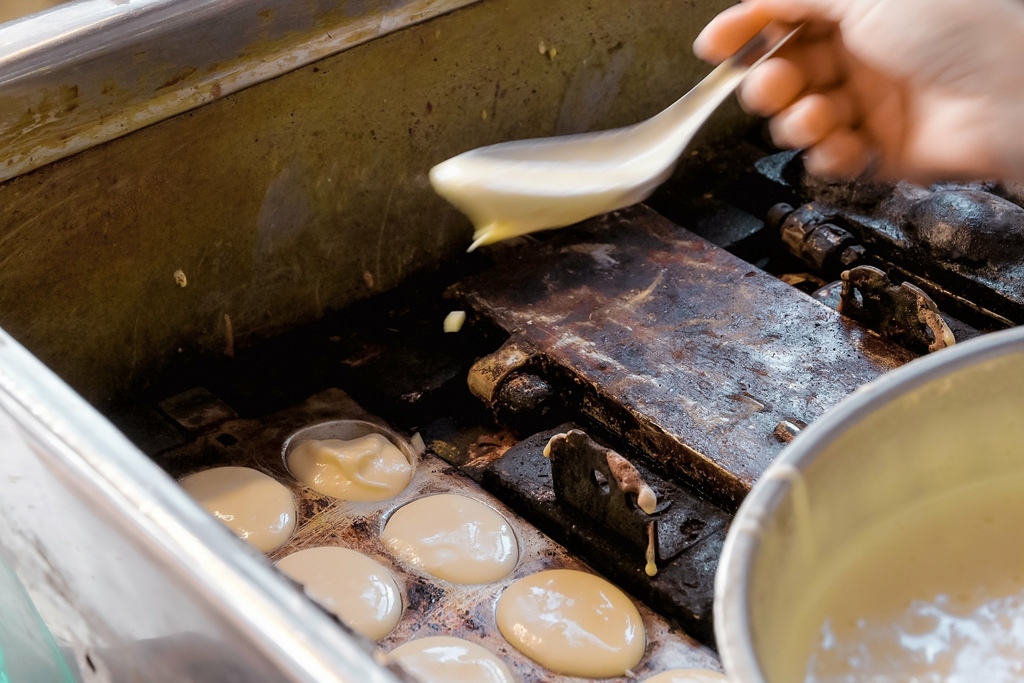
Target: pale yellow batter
x,y
515,192
688,676
935,594
257,508
13,9
442,659
361,591
572,623
454,538
367,469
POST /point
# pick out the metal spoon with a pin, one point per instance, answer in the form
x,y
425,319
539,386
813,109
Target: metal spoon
x,y
514,188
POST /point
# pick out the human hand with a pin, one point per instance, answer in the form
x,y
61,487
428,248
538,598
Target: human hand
x,y
914,89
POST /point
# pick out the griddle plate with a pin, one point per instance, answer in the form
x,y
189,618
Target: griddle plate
x,y
687,352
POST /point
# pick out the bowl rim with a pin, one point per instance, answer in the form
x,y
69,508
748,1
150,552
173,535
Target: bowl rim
x,y
732,579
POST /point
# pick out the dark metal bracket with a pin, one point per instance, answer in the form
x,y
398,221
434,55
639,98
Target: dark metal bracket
x,y
902,313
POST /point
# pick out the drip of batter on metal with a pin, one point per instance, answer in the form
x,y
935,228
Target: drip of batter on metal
x,y
547,446
630,481
652,567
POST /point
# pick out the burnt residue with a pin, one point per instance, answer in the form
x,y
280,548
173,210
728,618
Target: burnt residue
x,y
177,78
422,594
197,410
650,333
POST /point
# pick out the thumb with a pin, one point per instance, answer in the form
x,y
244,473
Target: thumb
x,y
731,29
795,11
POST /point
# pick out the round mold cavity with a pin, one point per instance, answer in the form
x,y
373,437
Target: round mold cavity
x,y
348,430
434,562
331,561
209,488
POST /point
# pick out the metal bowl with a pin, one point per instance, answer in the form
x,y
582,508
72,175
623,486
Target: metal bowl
x,y
940,422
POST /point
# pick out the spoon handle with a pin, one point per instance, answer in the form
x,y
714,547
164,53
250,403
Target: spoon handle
x,y
762,46
698,104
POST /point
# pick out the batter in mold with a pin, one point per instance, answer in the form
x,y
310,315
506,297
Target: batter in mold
x,y
443,659
367,469
359,590
258,509
572,623
453,538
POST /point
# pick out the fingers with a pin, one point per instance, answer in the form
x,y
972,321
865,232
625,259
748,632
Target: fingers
x,y
819,59
807,121
732,28
729,31
794,11
804,88
841,154
807,65
771,87
828,126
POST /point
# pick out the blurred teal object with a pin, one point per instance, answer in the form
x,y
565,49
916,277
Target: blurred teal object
x,y
27,651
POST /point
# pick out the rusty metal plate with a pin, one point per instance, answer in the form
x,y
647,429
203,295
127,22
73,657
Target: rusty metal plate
x,y
432,606
674,345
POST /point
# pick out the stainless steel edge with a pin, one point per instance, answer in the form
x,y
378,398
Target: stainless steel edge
x,y
86,72
732,581
127,570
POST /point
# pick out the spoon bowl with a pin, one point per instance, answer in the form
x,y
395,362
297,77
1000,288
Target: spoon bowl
x,y
514,188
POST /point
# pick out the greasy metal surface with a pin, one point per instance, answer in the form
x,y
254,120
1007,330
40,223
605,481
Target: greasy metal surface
x,y
133,579
901,313
787,430
432,607
308,192
681,349
575,457
526,403
689,540
967,240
